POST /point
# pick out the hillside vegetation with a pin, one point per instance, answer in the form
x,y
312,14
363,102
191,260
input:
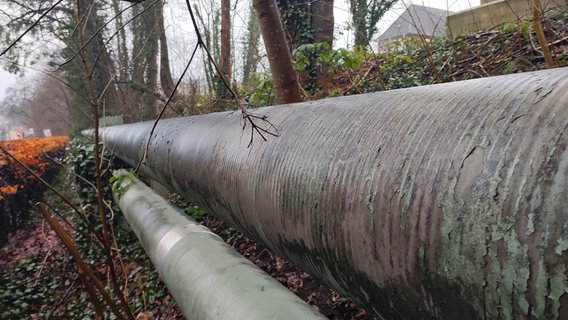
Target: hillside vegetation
x,y
506,49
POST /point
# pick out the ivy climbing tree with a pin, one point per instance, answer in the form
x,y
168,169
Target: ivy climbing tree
x,y
306,21
366,14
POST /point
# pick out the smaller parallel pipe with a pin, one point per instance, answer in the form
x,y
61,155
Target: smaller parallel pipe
x,y
207,278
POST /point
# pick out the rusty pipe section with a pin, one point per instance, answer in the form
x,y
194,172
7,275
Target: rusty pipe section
x,y
446,201
207,278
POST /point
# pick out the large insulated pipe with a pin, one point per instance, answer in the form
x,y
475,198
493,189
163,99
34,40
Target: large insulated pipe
x,y
207,278
447,201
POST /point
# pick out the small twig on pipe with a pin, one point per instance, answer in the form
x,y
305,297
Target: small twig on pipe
x,y
247,116
251,117
241,103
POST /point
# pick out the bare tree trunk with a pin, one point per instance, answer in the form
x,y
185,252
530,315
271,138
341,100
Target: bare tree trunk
x,y
121,43
251,56
366,14
145,57
103,68
226,39
209,28
166,80
322,21
279,58
536,10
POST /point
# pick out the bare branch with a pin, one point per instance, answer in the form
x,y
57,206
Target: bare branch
x,y
95,34
29,28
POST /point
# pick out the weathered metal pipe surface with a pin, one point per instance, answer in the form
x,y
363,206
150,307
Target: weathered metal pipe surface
x,y
207,278
445,201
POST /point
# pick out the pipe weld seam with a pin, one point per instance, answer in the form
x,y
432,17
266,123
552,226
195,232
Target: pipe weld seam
x,y
172,237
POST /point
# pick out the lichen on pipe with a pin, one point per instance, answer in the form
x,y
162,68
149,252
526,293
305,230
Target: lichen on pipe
x,y
447,201
207,278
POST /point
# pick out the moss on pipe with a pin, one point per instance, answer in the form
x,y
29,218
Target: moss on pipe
x,y
451,198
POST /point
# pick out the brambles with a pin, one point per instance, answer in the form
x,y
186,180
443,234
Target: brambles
x,y
410,62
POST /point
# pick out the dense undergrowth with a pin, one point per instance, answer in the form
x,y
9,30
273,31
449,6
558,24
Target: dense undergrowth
x,y
38,278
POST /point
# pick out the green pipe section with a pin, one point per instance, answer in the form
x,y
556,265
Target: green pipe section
x,y
207,278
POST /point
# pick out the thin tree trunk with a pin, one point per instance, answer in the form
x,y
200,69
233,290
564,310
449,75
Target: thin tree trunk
x,y
536,9
209,28
121,43
226,40
359,11
122,60
166,80
145,58
295,18
103,67
322,21
366,14
279,58
251,57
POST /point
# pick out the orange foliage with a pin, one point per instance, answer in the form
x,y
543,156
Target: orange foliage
x,y
7,190
30,152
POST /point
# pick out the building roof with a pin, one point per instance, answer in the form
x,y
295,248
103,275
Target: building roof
x,y
417,20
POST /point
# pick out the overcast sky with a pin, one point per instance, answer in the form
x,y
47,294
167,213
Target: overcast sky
x,y
341,20
6,80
